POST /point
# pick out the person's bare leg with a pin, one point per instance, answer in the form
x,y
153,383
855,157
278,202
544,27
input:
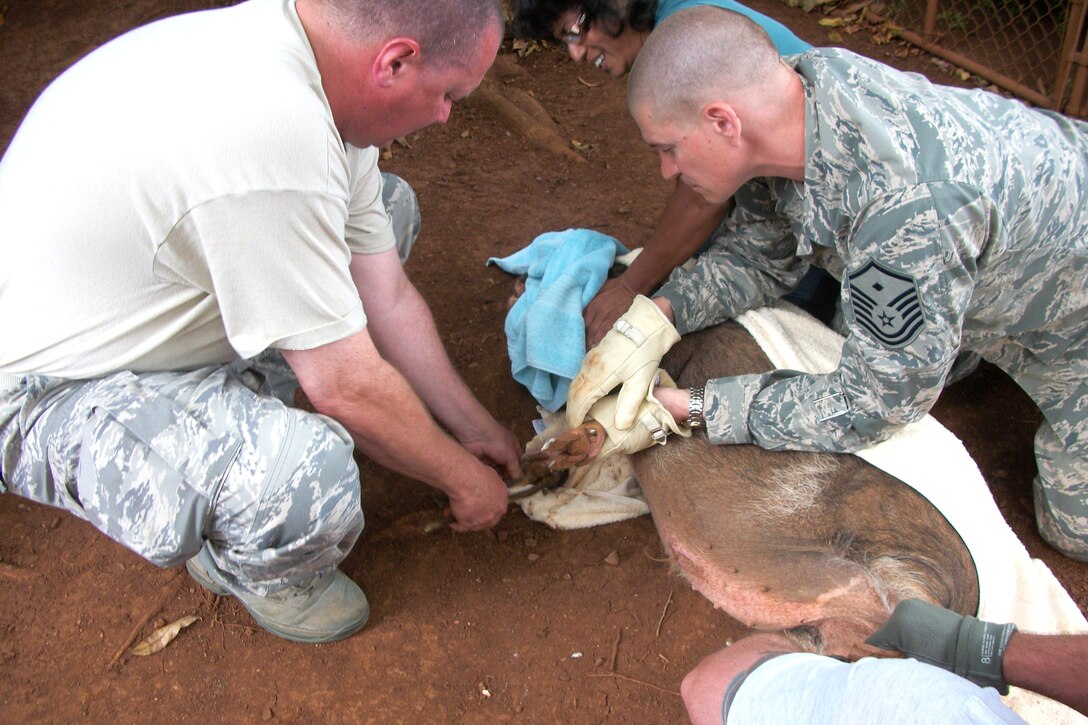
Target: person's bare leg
x,y
704,688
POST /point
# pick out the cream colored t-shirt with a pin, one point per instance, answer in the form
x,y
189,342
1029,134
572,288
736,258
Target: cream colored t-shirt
x,y
180,197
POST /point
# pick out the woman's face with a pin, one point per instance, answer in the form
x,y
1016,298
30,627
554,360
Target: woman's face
x,y
594,45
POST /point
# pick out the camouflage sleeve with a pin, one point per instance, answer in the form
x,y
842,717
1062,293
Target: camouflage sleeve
x,y
752,262
908,279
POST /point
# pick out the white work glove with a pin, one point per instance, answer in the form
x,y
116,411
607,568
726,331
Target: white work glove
x,y
652,423
630,353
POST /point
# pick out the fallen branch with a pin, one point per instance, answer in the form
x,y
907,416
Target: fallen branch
x,y
615,650
505,69
635,680
657,632
661,560
529,124
851,9
530,105
15,573
168,589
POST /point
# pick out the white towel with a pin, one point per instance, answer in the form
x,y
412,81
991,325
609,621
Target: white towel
x,y
603,492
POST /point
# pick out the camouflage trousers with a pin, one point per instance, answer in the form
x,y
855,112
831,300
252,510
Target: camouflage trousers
x,y
1060,389
168,462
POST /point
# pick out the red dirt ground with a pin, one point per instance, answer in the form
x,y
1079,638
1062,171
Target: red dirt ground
x,y
520,623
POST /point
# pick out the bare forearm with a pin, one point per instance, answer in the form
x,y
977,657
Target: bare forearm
x,y
391,426
686,223
401,333
1054,665
406,336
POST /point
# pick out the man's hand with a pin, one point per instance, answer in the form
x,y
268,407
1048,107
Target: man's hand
x,y
613,299
629,355
965,645
686,223
652,423
498,447
481,502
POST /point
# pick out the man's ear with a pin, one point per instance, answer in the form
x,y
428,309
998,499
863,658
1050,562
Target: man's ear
x,y
723,117
395,58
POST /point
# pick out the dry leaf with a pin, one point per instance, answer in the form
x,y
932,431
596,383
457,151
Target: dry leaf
x,y
809,5
525,47
402,141
832,22
161,637
587,84
612,559
882,37
852,8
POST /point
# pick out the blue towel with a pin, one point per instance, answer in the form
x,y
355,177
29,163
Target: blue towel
x,y
545,332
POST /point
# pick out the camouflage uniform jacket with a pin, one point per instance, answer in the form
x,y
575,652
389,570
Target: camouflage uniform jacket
x,y
955,219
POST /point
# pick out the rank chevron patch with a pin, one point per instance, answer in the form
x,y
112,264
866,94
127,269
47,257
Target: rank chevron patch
x,y
886,303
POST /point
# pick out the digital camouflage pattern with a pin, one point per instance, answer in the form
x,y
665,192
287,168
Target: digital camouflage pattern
x,y
163,462
956,220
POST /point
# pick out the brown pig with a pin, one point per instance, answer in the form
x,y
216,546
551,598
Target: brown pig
x,y
822,544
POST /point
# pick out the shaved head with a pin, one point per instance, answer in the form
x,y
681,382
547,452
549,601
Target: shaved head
x,y
697,55
448,31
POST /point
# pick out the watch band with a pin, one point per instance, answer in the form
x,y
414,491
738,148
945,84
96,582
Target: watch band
x,y
695,407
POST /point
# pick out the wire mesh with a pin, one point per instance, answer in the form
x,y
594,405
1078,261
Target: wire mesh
x,y
1022,41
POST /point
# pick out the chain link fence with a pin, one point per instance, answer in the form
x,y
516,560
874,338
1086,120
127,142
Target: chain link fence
x,y
1034,49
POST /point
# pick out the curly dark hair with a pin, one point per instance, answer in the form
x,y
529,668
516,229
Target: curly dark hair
x,y
534,19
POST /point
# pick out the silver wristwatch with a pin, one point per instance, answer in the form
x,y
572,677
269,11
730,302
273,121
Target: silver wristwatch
x,y
695,408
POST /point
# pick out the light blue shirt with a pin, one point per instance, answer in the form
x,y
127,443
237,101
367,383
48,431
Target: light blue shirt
x,y
807,688
783,38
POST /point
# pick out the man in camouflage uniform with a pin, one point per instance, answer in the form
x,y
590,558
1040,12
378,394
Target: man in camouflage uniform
x,y
955,219
192,224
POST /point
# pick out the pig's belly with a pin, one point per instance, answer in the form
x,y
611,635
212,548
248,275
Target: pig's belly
x,y
830,590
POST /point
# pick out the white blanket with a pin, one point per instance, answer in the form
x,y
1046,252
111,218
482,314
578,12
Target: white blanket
x,y
1013,587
